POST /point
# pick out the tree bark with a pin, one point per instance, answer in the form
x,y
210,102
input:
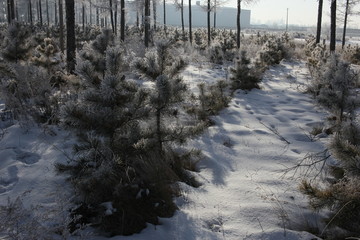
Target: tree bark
x,y
190,23
40,14
208,23
154,13
238,26
318,29
83,17
333,26
345,23
112,16
56,13
47,13
122,20
164,5
116,16
182,18
61,23
70,37
30,13
147,22
214,14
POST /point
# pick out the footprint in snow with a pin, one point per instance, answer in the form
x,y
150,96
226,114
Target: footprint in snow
x,y
8,178
27,157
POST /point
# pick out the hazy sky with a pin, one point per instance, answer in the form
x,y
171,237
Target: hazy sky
x,y
301,12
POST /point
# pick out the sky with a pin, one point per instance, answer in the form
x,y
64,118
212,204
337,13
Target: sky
x,y
301,12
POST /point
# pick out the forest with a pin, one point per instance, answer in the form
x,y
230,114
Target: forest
x,y
150,131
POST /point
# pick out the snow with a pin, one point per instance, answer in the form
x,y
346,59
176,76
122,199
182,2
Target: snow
x,y
244,193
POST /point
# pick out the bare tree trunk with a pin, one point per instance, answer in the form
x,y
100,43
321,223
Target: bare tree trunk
x,y
97,17
83,17
11,11
318,29
47,13
208,22
190,23
164,5
238,26
154,13
345,23
122,20
90,12
70,36
61,23
30,13
147,22
115,16
182,17
56,13
333,26
40,14
112,16
214,14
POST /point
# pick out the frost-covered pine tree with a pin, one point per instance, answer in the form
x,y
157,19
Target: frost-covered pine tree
x,y
243,76
95,52
161,60
47,55
17,44
337,89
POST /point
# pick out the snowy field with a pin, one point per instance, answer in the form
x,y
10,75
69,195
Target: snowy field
x,y
244,192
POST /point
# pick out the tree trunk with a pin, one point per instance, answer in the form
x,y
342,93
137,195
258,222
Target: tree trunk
x,y
56,13
30,13
190,23
333,26
154,13
214,14
115,16
97,17
147,22
61,23
70,37
47,13
11,10
345,23
164,5
182,17
112,16
208,23
318,29
90,12
83,17
238,26
40,13
122,24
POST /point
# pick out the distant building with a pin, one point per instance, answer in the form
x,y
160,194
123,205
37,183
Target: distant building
x,y
225,16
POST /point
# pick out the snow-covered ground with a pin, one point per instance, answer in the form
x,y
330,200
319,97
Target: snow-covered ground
x,y
244,193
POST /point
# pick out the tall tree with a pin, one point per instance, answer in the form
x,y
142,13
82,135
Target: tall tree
x,y
61,23
47,13
56,13
40,13
180,6
190,23
70,36
208,22
147,22
333,26
122,20
318,28
30,13
345,23
164,6
11,10
112,15
238,26
154,12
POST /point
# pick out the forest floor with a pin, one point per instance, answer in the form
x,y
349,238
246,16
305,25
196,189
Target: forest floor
x,y
245,192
